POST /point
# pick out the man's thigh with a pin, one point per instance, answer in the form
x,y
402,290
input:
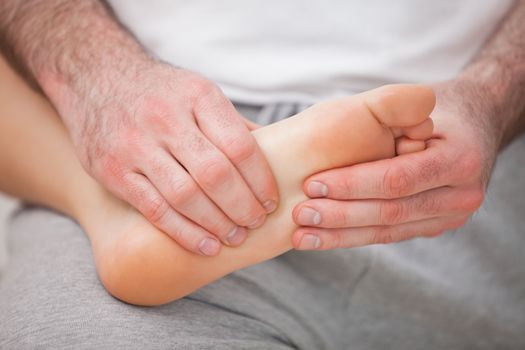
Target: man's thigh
x,y
50,297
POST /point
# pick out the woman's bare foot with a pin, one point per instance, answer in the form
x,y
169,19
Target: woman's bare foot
x,y
141,265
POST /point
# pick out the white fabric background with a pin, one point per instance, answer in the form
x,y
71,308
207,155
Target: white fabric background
x,y
270,51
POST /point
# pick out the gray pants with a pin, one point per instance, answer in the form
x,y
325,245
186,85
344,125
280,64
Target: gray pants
x,y
463,290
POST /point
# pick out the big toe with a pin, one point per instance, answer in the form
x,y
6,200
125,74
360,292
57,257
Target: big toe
x,y
401,105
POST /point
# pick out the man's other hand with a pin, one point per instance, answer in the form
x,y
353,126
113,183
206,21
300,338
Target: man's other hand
x,y
419,194
168,142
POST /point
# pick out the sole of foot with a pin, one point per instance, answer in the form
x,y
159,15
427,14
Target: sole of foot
x,y
139,264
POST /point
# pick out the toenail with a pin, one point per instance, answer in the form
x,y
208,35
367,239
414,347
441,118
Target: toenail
x,y
236,236
308,216
209,246
270,206
317,189
257,222
309,241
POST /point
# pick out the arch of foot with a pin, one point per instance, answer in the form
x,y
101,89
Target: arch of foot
x,y
141,265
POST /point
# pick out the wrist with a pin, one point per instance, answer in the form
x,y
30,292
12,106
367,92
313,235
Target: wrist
x,y
490,94
105,54
474,105
92,78
497,84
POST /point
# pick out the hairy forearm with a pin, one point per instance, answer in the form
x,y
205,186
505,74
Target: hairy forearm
x,y
64,41
495,79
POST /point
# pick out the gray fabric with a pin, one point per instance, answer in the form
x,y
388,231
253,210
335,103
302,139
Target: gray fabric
x,y
463,290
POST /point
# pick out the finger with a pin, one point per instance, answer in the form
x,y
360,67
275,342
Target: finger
x,y
217,177
443,201
389,178
324,239
226,129
185,196
140,193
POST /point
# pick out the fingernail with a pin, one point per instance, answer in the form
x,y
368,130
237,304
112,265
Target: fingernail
x,y
309,241
209,246
270,206
258,222
308,216
317,189
236,236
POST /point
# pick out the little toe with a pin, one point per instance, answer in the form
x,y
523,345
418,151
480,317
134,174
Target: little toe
x,y
405,145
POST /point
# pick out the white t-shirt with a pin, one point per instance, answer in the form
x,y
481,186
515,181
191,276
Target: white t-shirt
x,y
264,51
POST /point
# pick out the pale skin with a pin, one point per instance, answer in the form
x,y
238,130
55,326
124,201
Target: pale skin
x,y
140,264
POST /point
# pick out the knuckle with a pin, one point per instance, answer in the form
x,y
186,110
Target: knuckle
x,y
345,185
155,210
187,237
111,172
129,148
219,228
342,185
250,215
131,140
212,173
396,182
382,236
162,122
181,236
150,107
391,213
340,216
191,142
240,148
110,167
182,192
201,86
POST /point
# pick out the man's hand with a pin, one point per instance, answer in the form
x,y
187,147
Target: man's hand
x,y
418,194
165,140
428,192
173,146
